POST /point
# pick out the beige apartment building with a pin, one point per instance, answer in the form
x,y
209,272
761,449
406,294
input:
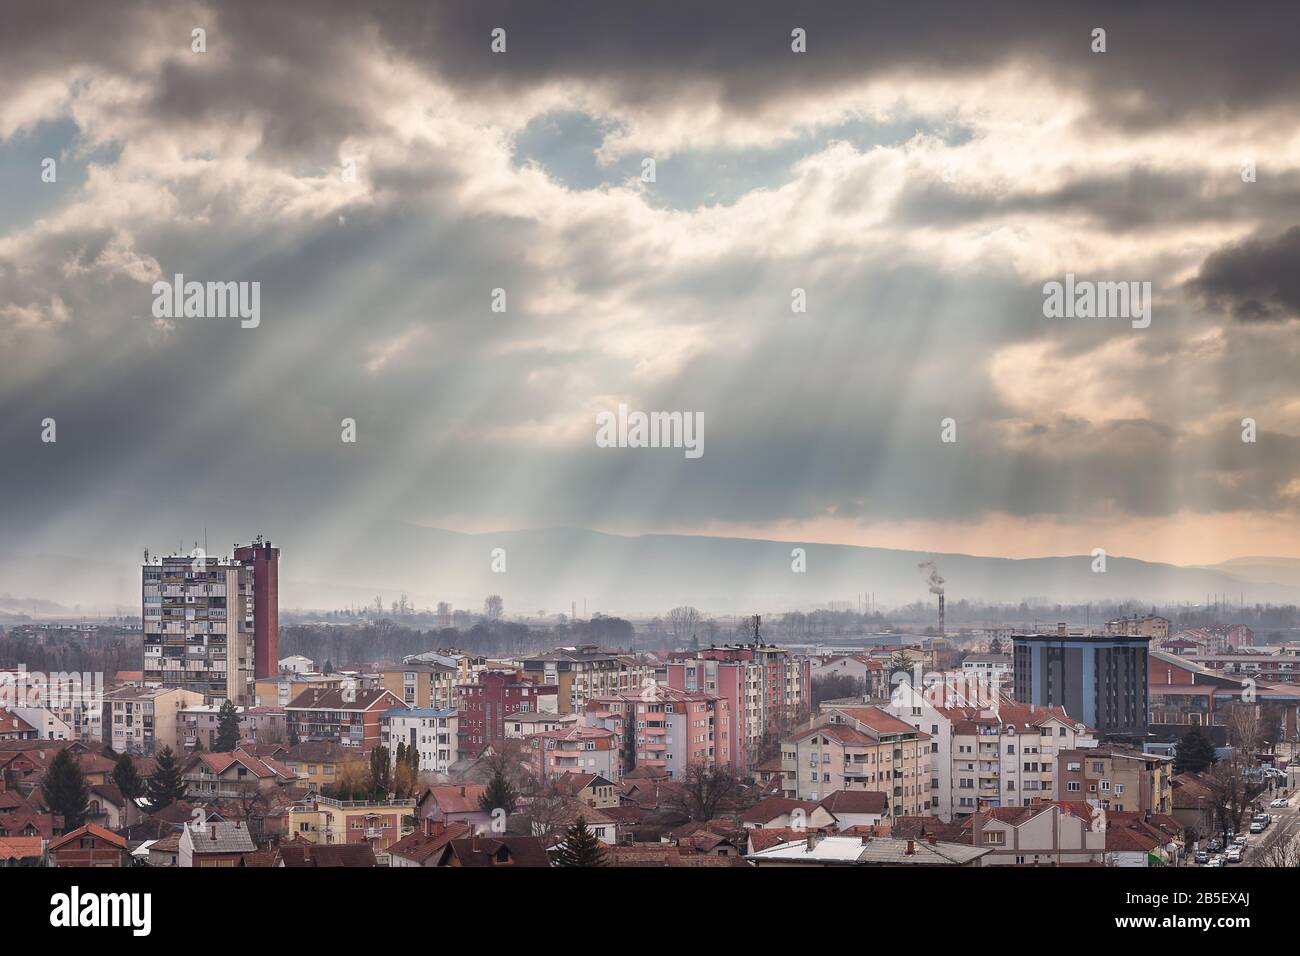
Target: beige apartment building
x,y
1118,778
584,672
1150,625
144,720
423,686
860,748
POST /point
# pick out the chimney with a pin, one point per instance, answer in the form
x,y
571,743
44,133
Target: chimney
x,y
911,847
811,841
1061,630
473,840
213,827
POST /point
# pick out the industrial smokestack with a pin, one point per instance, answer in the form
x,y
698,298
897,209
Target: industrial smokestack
x,y
936,587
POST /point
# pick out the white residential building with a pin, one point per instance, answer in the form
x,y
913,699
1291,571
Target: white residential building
x,y
431,732
986,757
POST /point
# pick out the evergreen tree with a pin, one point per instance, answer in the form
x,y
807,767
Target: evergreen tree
x,y
127,779
1195,752
227,728
580,847
380,779
500,793
166,786
293,736
66,791
401,752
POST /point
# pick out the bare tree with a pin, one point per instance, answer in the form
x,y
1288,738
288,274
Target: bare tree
x,y
703,790
493,605
1232,789
512,758
1279,849
683,624
1245,729
546,815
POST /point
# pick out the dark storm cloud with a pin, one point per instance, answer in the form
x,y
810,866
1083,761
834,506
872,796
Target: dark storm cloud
x,y
1137,199
1256,280
1162,64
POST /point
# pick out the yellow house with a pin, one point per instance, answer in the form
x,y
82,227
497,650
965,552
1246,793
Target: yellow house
x,y
381,823
319,761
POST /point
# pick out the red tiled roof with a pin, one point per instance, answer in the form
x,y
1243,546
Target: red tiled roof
x,y
419,847
90,829
1121,839
21,848
769,808
878,720
855,801
455,799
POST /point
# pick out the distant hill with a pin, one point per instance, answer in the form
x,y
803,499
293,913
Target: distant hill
x,y
546,569
549,568
1259,570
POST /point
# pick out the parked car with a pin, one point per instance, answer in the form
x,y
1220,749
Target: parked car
x,y
1215,861
1202,857
1214,846
1241,840
1233,855
1257,827
1279,803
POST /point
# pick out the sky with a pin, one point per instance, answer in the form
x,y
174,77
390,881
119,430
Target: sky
x,y
919,174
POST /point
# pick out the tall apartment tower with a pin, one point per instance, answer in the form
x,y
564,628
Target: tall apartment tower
x,y
1101,680
197,635
263,562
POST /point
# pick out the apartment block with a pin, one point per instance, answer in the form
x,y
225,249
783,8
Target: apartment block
x,y
198,628
433,733
1118,778
769,688
990,756
586,671
426,685
144,720
589,750
487,705
201,725
667,729
1099,680
347,716
1151,626
860,748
